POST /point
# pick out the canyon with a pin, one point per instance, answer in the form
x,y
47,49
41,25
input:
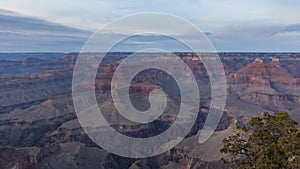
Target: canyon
x,y
39,126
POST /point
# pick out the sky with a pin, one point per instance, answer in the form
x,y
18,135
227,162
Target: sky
x,y
231,25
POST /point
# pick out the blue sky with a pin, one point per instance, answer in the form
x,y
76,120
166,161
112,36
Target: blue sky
x,y
231,25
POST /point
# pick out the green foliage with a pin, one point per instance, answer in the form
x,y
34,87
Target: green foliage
x,y
273,143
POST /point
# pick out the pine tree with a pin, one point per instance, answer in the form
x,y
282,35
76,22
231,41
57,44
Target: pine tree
x,y
274,143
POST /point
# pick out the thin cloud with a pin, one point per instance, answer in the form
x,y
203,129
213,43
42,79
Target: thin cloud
x,y
19,33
